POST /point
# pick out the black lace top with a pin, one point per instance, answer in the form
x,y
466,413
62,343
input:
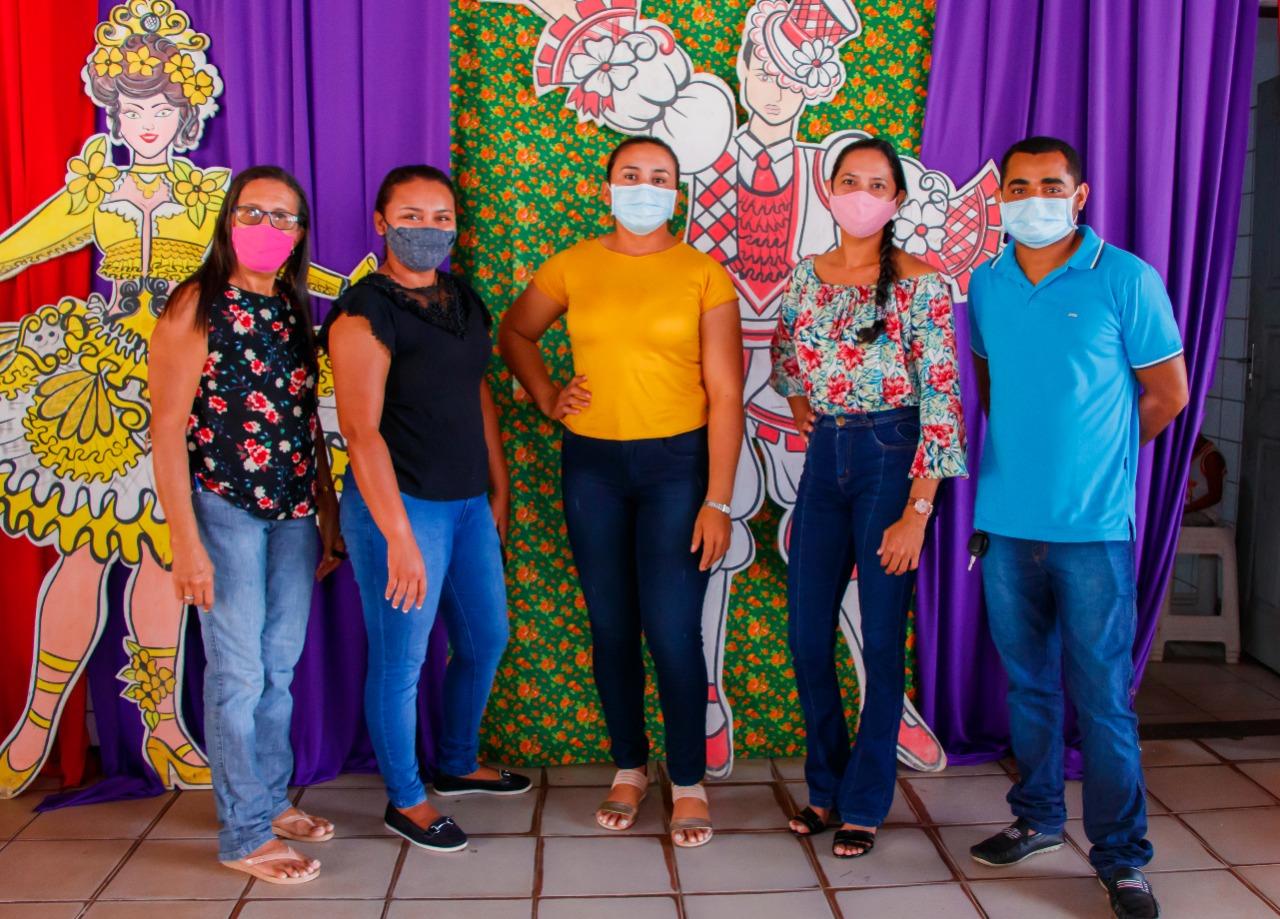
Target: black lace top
x,y
439,342
251,434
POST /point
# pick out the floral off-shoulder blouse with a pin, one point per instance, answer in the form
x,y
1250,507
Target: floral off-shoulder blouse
x,y
816,354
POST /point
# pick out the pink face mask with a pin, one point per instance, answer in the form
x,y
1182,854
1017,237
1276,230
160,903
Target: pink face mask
x,y
261,247
861,213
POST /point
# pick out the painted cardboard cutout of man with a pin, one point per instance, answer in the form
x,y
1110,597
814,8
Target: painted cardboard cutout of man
x,y
75,453
757,203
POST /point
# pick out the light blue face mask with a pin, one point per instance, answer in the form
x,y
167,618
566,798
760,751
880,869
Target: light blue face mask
x,y
643,208
1038,222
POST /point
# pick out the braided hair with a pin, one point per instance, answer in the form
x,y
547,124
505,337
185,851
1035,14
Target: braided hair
x,y
888,275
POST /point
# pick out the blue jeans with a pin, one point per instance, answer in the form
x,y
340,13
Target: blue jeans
x,y
263,572
1068,609
855,484
630,506
463,558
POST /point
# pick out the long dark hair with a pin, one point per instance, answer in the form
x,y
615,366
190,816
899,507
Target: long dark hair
x,y
888,275
213,276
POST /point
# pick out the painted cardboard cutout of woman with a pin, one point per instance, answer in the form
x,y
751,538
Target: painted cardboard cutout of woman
x,y
75,452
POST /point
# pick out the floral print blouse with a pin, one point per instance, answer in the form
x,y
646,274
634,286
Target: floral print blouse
x,y
816,354
252,430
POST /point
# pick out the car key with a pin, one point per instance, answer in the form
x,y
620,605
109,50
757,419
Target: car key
x,y
979,542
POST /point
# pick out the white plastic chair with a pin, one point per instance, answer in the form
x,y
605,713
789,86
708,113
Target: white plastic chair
x,y
1224,628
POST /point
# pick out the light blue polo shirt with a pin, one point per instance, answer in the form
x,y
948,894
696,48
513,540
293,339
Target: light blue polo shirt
x,y
1060,460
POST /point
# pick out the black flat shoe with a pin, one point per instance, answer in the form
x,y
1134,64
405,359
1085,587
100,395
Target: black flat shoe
x,y
1013,844
510,783
442,836
1131,896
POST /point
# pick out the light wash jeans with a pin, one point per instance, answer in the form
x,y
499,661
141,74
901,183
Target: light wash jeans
x,y
263,571
465,584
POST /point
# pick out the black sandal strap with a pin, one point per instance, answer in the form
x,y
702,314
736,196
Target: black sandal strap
x,y
862,839
811,820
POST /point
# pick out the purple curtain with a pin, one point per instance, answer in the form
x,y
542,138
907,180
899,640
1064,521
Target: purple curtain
x,y
1156,98
338,92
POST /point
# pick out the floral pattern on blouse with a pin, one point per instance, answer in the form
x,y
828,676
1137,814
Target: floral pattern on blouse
x,y
251,433
816,354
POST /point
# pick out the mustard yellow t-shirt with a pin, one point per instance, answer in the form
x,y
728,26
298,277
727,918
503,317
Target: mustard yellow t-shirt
x,y
634,329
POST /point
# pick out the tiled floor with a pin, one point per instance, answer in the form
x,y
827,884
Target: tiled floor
x,y
1214,806
1215,825
1179,691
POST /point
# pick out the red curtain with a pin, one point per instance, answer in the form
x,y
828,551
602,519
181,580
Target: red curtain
x,y
45,117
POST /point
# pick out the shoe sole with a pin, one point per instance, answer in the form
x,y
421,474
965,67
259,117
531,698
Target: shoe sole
x,y
1103,884
479,791
423,845
1032,854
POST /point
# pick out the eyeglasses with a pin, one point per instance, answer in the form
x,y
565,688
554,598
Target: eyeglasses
x,y
281,220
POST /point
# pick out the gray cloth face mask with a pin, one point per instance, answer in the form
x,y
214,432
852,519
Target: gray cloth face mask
x,y
420,248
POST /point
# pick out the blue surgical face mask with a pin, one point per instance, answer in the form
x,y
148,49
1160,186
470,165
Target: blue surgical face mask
x,y
643,208
1038,222
420,248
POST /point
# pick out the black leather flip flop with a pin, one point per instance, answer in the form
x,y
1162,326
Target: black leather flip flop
x,y
861,838
812,821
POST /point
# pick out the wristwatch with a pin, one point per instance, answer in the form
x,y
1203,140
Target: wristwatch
x,y
921,507
722,508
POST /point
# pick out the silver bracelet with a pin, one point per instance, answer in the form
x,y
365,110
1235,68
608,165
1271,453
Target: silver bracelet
x,y
722,508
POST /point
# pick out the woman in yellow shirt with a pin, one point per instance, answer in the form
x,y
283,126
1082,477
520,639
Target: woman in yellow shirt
x,y
653,419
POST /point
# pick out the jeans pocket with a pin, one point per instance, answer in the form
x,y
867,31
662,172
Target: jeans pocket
x,y
896,435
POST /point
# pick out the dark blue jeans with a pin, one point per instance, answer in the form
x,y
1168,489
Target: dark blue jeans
x,y
855,484
459,545
1068,609
630,506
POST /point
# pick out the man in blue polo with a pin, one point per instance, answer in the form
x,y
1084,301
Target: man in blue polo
x,y
1079,361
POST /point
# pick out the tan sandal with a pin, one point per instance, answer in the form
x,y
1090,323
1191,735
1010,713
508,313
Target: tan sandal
x,y
251,865
686,825
280,826
636,778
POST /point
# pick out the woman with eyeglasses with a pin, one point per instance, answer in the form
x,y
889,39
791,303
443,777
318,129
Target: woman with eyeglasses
x,y
865,353
243,479
653,425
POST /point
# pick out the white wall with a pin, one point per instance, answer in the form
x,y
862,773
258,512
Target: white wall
x,y
1224,407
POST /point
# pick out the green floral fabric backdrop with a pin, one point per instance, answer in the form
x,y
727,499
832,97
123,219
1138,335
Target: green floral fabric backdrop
x,y
529,177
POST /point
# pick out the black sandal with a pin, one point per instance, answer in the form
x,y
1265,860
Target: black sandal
x,y
812,821
861,838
